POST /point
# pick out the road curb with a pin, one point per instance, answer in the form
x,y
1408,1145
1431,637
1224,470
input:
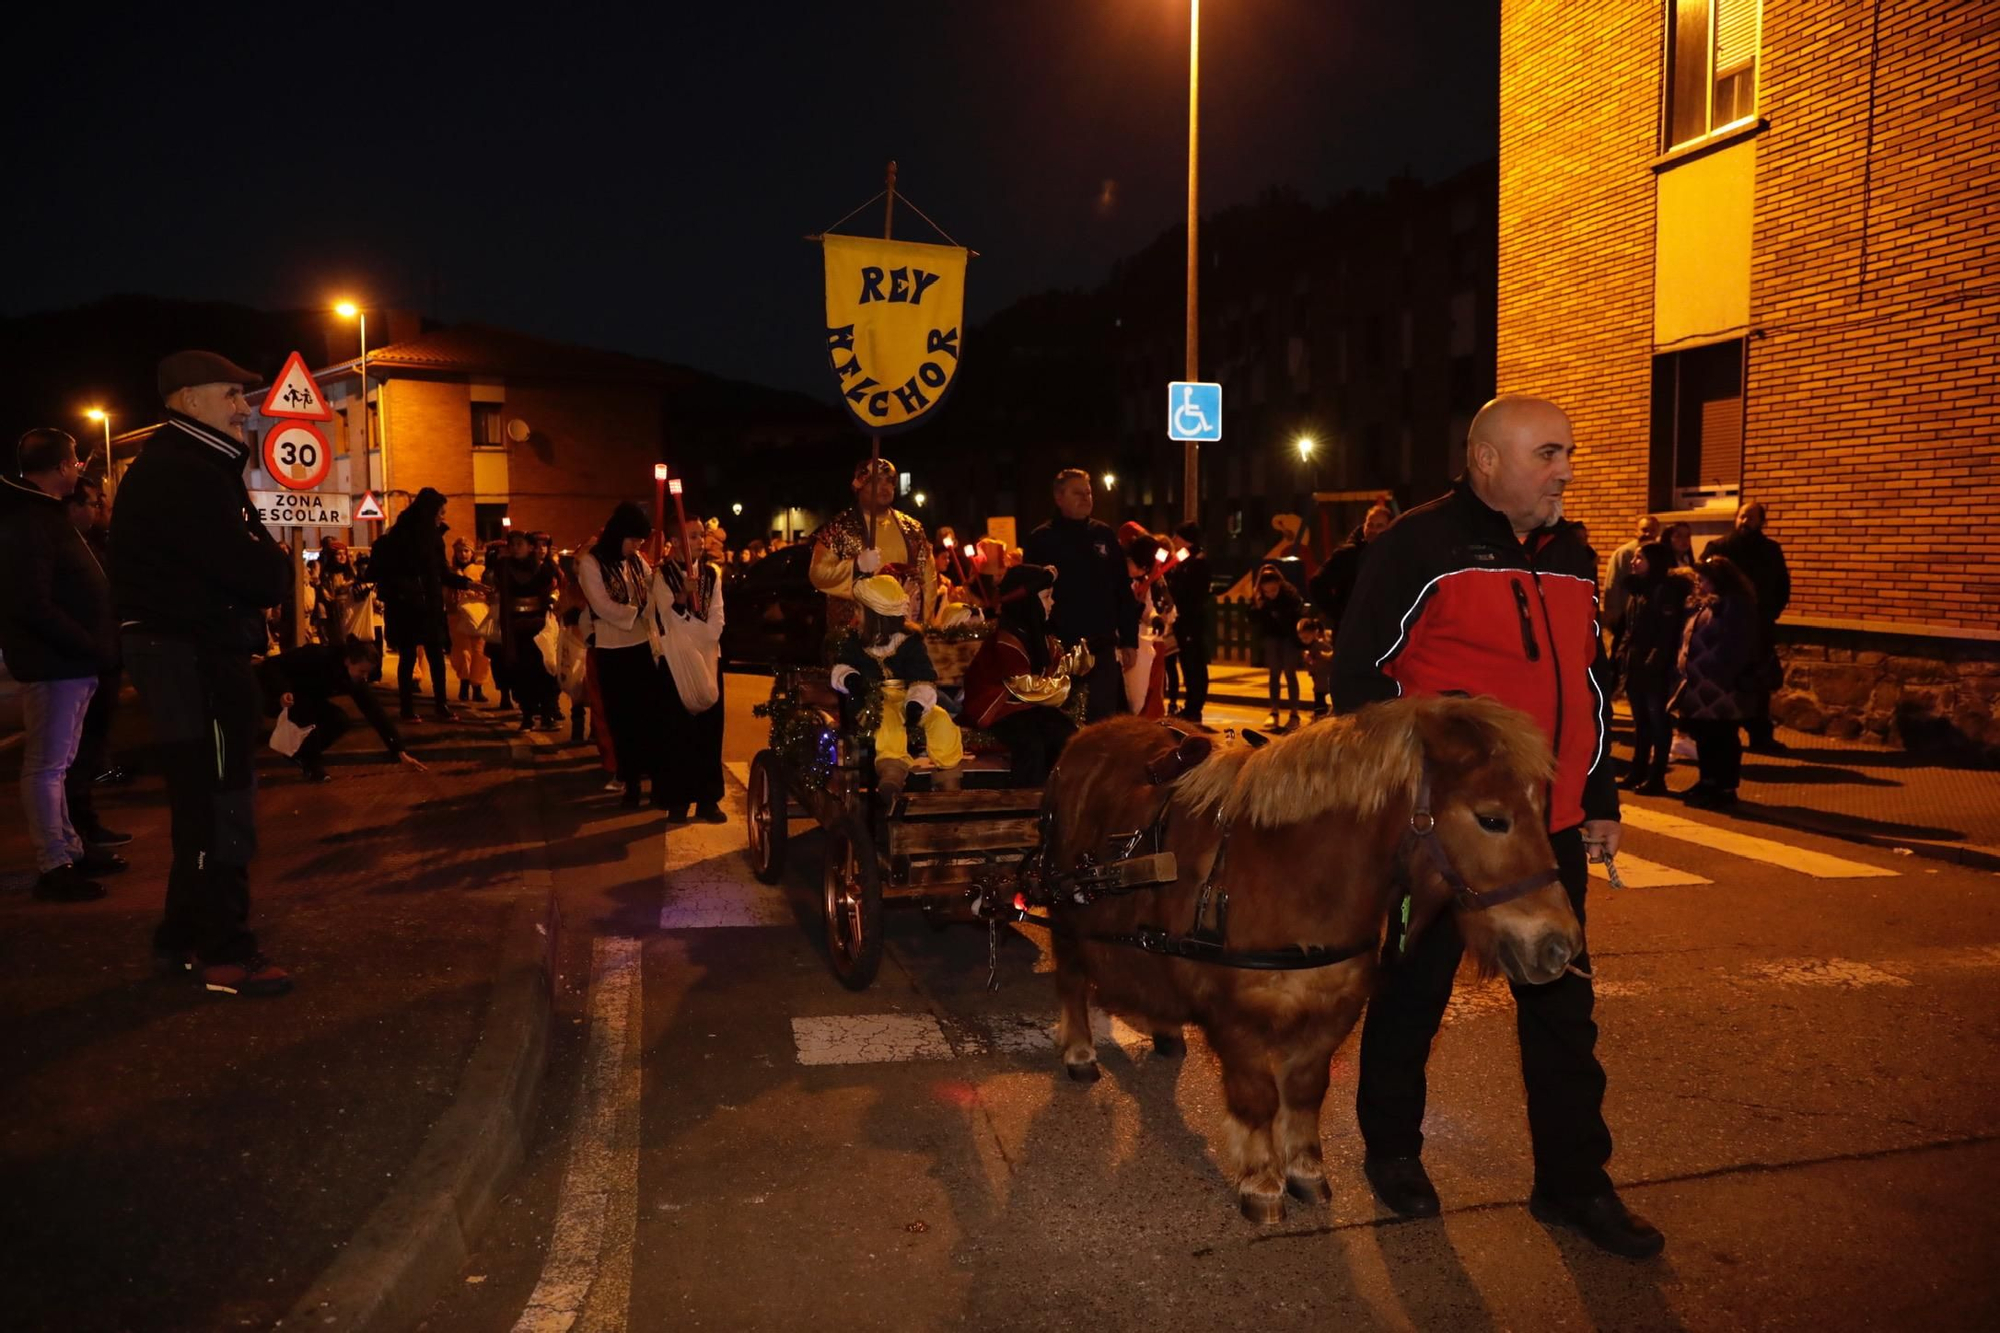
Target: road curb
x,y
414,1244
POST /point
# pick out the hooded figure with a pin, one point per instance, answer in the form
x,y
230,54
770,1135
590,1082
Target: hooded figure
x,y
411,574
1018,683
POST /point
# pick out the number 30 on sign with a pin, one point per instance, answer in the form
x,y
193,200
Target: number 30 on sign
x,y
296,456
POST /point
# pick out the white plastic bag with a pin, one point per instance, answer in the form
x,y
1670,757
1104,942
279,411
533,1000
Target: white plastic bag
x,y
288,736
691,648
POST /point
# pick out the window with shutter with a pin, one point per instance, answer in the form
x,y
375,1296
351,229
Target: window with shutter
x,y
1698,424
1711,76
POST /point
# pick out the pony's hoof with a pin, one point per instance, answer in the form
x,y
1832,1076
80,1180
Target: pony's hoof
x,y
1171,1044
1263,1209
1087,1072
1310,1190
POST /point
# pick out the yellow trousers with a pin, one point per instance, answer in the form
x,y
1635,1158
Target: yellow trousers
x,y
941,739
468,658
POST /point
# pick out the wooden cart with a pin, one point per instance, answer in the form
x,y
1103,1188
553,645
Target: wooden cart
x,y
932,852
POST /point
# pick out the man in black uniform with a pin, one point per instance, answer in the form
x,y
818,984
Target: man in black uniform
x,y
1488,591
192,576
1093,595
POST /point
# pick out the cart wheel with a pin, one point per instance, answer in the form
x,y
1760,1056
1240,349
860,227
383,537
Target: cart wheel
x,y
853,905
769,829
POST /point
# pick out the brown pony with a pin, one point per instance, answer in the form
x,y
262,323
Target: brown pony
x,y
1315,830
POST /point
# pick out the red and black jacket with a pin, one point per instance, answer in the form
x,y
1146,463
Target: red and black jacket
x,y
1450,601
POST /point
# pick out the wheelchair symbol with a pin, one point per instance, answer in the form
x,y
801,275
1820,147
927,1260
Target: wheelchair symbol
x,y
1194,411
1189,419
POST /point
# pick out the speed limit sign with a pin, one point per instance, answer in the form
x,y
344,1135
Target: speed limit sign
x,y
296,456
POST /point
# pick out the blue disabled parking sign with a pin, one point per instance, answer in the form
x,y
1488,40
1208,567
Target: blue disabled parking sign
x,y
1194,411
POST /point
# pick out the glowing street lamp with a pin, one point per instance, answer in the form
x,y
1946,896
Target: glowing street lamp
x,y
1306,445
349,310
918,499
737,509
1110,481
98,414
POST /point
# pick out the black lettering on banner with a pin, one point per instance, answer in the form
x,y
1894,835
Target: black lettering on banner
x,y
924,280
871,284
853,367
943,340
931,373
840,339
899,284
878,405
911,397
854,395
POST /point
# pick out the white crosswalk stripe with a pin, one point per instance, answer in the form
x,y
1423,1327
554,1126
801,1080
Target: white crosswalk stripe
x,y
1806,862
1639,873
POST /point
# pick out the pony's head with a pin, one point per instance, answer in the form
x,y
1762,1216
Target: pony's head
x,y
1478,846
1487,768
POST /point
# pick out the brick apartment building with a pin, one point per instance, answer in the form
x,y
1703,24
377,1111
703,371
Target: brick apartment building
x,y
1753,248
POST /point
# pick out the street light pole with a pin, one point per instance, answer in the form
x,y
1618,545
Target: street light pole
x,y
98,414
1190,451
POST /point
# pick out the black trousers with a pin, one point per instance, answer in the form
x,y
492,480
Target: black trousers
x,y
1558,1040
629,680
1719,751
328,721
93,751
1034,739
535,689
1652,732
1106,683
693,771
1191,664
206,722
406,675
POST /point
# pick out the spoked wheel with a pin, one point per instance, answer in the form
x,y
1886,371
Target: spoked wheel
x,y
769,829
853,905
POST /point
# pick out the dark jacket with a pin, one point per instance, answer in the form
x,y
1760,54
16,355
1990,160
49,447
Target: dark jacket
x,y
1093,596
523,594
318,672
410,573
1333,585
1656,610
55,604
1718,649
1188,581
191,559
1763,563
1450,600
1276,620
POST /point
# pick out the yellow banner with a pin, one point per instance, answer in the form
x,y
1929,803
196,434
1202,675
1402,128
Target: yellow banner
x,y
893,310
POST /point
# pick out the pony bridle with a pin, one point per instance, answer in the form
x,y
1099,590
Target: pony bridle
x,y
1423,832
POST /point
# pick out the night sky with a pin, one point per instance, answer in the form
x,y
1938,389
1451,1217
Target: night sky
x,y
642,183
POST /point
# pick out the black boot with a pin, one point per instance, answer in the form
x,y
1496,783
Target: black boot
x,y
1402,1184
464,691
1602,1220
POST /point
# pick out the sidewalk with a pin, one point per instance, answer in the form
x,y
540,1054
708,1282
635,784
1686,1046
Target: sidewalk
x,y
191,1161
1845,789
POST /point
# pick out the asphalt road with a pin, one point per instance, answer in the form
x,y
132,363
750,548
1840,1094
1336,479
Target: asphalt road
x,y
1800,1035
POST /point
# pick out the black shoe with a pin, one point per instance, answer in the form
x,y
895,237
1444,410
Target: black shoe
x,y
99,836
444,714
633,796
1714,798
409,715
1402,1184
314,773
479,694
114,776
67,884
95,862
1602,1220
464,692
173,962
1696,794
1632,781
1652,787
676,814
708,812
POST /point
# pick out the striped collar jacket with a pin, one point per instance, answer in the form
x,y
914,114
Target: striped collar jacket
x,y
1449,601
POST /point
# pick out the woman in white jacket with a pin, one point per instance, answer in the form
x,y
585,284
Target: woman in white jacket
x,y
615,581
685,611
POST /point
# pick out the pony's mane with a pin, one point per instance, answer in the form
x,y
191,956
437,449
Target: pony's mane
x,y
1359,763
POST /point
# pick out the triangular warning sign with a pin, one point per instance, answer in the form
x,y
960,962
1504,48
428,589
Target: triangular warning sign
x,y
369,507
295,394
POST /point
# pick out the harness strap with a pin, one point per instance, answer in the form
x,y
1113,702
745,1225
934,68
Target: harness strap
x,y
1423,830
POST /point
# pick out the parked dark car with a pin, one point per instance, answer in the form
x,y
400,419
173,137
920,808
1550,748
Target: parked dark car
x,y
774,616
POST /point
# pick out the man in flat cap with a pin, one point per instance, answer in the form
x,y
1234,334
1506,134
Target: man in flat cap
x,y
194,575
